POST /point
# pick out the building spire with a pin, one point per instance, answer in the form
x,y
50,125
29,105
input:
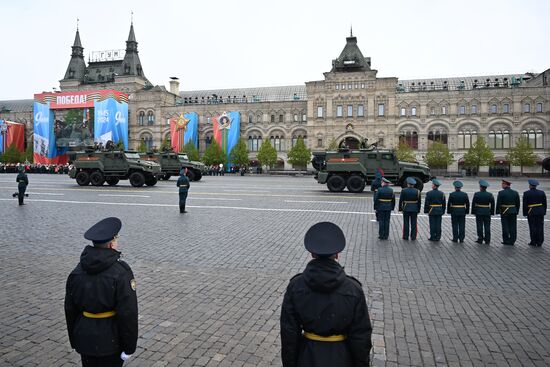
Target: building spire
x,y
77,20
132,17
351,30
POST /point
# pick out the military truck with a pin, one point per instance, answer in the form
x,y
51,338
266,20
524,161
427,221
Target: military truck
x,y
97,167
171,163
356,168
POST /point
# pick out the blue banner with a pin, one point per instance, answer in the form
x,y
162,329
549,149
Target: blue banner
x,y
111,122
44,139
192,129
234,132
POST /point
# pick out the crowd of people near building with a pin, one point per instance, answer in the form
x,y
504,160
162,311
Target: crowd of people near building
x,y
35,168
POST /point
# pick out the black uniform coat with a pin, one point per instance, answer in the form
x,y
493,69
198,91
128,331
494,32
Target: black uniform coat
x,y
409,200
101,282
22,180
183,187
385,193
483,203
507,202
458,203
324,301
434,204
533,197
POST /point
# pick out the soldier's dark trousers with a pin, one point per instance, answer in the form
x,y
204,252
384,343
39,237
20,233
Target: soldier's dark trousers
x,y
21,194
435,227
410,217
183,198
483,224
384,224
109,361
458,223
536,229
509,228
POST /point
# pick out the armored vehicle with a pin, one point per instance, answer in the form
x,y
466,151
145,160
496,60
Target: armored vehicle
x,y
171,163
356,168
98,167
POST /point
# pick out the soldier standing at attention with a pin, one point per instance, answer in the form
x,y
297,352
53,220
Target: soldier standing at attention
x,y
183,184
324,318
22,182
101,302
483,206
508,208
458,206
409,204
375,185
384,203
434,206
534,208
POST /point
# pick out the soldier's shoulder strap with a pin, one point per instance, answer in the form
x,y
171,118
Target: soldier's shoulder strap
x,y
355,279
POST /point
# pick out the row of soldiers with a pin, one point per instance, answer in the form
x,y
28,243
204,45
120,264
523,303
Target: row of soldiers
x,y
458,206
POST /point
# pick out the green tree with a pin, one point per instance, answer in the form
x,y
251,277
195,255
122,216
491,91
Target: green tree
x,y
405,153
29,153
438,156
142,147
12,155
522,154
192,151
333,145
267,155
479,154
299,155
213,154
120,145
239,154
166,145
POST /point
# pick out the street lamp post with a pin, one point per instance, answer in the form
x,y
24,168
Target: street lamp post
x,y
4,131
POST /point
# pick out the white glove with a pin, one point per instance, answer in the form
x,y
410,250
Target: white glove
x,y
125,356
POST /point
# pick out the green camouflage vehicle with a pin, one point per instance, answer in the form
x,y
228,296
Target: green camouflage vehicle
x,y
356,168
171,163
98,167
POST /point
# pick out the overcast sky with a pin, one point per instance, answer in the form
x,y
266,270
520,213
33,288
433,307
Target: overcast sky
x,y
213,44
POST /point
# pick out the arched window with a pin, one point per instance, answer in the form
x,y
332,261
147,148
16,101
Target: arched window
x,y
474,109
207,141
150,118
538,107
493,108
141,118
466,138
410,138
276,142
413,111
254,142
297,136
437,135
499,139
535,138
527,107
403,111
148,140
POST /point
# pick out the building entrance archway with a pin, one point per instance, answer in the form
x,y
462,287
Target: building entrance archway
x,y
350,142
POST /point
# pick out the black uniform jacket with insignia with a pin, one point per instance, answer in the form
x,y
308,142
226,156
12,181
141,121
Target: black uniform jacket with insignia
x,y
384,199
183,184
483,203
458,203
101,282
434,204
534,202
507,202
326,302
22,179
409,200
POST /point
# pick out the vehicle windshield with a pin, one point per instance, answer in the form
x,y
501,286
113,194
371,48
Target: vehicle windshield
x,y
185,157
131,155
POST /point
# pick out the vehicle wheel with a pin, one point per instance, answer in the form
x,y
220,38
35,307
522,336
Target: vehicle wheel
x,y
151,180
166,177
112,181
83,178
191,175
137,179
198,176
336,183
356,184
97,179
419,184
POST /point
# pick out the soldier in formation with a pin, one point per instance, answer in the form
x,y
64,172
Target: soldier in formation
x,y
384,204
183,185
409,204
100,300
324,318
458,206
22,183
483,207
508,207
534,208
434,206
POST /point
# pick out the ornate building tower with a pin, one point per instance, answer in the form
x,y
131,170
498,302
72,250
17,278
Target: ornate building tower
x,y
76,70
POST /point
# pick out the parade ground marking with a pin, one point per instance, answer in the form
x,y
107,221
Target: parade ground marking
x,y
44,193
126,195
235,208
313,201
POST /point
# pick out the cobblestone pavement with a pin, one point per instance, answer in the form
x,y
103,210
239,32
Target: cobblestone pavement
x,y
210,282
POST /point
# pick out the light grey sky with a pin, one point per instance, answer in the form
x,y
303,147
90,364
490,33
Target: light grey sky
x,y
214,44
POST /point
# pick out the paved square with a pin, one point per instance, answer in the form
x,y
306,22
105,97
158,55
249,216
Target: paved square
x,y
210,282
